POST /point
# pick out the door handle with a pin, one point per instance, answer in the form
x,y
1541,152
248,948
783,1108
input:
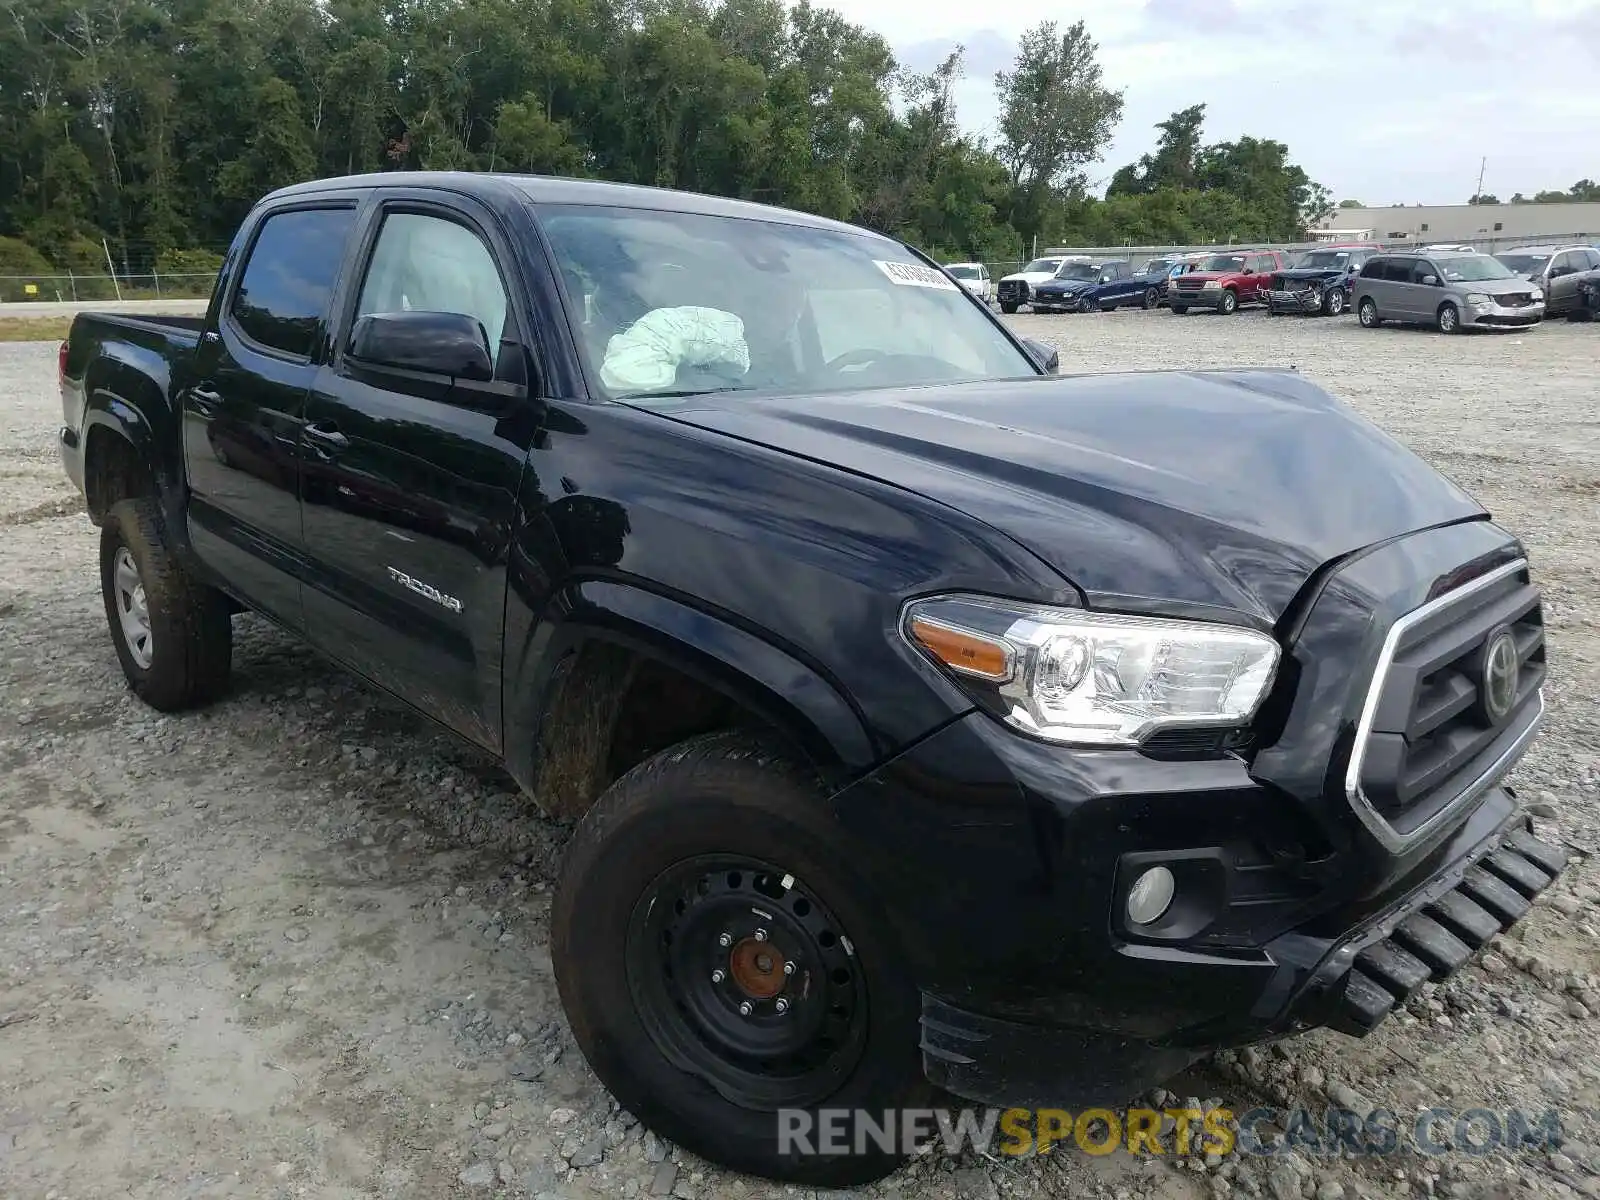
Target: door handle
x,y
326,438
205,401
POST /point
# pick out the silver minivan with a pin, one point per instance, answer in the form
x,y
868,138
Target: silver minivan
x,y
1449,290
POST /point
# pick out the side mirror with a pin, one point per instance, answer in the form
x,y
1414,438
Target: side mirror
x,y
441,343
1105,279
1047,356
1431,280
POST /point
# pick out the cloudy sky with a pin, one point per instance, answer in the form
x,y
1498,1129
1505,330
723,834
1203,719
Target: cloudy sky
x,y
1384,101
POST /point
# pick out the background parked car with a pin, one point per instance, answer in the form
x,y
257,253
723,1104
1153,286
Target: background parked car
x,y
1588,308
1016,289
1319,280
1556,269
973,276
1225,281
1087,286
1450,291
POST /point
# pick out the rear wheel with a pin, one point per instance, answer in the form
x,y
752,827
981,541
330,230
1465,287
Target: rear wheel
x,y
173,635
720,959
1228,302
1367,314
1449,319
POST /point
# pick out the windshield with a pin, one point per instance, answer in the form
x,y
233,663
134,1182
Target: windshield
x,y
671,304
1042,266
1157,266
1078,270
963,272
1472,268
1524,264
1223,262
1325,258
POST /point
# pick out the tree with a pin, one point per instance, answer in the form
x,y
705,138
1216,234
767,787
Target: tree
x,y
1484,198
1175,162
1351,204
1056,116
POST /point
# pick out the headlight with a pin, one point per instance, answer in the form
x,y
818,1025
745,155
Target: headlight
x,y
1092,678
1479,298
1210,283
1537,293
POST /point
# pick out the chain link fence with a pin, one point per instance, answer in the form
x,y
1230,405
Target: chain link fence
x,y
77,288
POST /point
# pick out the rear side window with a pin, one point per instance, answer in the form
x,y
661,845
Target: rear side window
x,y
1373,269
1397,270
288,280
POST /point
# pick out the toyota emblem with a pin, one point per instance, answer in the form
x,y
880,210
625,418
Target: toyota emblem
x,y
1501,674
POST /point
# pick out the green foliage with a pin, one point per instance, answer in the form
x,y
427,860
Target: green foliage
x,y
156,124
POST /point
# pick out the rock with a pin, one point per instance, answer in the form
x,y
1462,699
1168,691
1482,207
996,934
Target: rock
x,y
562,1116
296,933
1284,1182
480,1111
684,1190
1568,905
1576,1008
283,1170
1347,1097
1560,1162
661,1182
496,1131
1330,1190
590,1152
478,1175
654,1148
973,1183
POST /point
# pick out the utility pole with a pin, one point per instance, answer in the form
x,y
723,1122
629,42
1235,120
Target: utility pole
x,y
1482,166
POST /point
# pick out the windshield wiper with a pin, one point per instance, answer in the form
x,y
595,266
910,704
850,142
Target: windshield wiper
x,y
676,393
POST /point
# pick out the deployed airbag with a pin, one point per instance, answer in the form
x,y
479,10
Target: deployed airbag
x,y
647,355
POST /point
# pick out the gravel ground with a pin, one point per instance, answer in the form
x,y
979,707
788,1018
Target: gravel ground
x,y
296,945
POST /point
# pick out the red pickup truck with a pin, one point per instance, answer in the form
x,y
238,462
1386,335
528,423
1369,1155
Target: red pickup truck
x,y
1226,280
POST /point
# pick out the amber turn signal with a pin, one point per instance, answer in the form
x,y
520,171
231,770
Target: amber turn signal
x,y
962,651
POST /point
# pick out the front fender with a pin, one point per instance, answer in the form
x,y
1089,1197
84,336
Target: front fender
x,y
756,672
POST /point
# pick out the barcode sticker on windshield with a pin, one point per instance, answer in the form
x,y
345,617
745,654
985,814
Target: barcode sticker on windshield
x,y
915,275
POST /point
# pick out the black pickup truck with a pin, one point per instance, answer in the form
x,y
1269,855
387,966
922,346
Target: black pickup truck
x,y
925,716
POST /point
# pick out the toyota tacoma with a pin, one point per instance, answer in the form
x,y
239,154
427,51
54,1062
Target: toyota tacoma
x,y
926,718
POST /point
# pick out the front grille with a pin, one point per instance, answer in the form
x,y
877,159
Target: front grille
x,y
1515,300
1015,289
1428,736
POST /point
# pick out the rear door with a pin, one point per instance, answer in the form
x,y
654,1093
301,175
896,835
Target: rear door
x,y
410,483
242,415
1562,289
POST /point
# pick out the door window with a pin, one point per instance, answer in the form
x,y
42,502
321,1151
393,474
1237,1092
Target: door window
x,y
1265,264
283,294
428,264
1421,269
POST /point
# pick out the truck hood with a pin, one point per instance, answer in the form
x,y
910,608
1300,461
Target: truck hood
x,y
1029,277
1202,276
1151,490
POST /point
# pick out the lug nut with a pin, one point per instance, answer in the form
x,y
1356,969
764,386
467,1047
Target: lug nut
x,y
724,939
744,1008
788,968
761,935
782,1005
717,976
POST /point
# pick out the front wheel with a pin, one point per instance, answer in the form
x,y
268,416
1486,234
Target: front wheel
x,y
173,635
1367,314
1449,319
722,960
1180,309
1333,301
1007,307
1228,302
1151,298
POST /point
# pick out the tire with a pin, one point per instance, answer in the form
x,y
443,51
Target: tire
x,y
659,873
1448,319
1007,307
1367,314
185,652
1333,302
1228,302
1580,314
1180,309
1151,298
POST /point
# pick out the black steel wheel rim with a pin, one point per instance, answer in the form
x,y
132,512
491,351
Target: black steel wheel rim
x,y
742,976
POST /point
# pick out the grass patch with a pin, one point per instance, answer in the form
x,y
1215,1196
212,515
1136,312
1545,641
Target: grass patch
x,y
34,329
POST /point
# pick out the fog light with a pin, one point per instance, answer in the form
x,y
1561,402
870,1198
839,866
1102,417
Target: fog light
x,y
1150,895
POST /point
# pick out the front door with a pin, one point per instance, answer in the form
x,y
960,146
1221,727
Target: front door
x,y
243,411
410,479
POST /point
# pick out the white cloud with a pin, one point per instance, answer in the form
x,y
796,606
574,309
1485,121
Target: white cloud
x,y
1381,100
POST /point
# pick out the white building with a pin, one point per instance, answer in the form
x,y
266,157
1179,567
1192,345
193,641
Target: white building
x,y
1501,223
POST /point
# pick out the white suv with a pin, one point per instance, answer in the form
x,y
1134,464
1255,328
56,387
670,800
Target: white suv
x,y
973,276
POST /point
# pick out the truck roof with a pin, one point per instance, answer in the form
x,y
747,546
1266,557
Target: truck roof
x,y
547,189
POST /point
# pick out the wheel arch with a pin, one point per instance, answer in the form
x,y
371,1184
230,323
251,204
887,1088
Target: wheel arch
x,y
130,444
617,673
